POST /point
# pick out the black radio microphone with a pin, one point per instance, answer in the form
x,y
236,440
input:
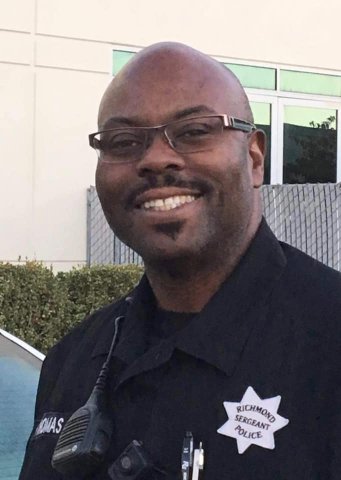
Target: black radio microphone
x,y
85,438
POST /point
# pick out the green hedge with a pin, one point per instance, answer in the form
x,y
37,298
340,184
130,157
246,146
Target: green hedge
x,y
40,307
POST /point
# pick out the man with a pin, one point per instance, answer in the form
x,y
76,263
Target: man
x,y
231,335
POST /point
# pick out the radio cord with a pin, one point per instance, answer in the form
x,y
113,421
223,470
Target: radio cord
x,y
103,375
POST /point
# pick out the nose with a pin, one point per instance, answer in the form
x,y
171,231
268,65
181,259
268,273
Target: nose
x,y
159,157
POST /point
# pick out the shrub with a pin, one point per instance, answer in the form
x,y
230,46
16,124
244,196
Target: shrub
x,y
40,307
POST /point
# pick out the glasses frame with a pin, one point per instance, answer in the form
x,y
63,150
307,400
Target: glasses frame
x,y
229,123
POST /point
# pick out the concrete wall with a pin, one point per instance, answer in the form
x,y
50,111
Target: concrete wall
x,y
55,61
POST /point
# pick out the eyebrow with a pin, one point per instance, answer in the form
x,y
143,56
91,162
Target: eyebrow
x,y
133,122
113,121
191,110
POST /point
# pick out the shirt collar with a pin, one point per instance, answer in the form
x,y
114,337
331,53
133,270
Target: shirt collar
x,y
220,331
136,309
137,322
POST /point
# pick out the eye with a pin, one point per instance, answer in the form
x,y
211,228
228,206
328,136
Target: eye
x,y
192,130
195,133
121,143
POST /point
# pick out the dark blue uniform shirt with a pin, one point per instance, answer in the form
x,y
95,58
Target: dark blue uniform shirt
x,y
274,325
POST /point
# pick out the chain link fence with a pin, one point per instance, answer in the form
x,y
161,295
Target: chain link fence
x,y
103,247
306,216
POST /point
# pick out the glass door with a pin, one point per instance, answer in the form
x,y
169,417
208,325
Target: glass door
x,y
307,141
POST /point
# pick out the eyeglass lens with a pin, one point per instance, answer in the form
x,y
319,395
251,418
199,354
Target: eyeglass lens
x,y
184,136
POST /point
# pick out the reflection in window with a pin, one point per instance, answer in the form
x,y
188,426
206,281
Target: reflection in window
x,y
262,119
309,154
254,77
119,59
307,82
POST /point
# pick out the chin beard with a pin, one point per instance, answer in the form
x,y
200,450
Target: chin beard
x,y
171,229
177,259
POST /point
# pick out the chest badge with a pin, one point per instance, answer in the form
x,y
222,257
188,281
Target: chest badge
x,y
253,420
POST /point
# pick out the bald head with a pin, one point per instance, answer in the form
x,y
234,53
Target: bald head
x,y
147,71
162,85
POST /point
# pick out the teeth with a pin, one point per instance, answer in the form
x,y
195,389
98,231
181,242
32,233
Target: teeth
x,y
168,203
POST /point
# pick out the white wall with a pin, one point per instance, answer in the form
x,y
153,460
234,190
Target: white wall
x,y
55,61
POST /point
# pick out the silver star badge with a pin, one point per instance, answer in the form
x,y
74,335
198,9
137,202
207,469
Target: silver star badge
x,y
253,421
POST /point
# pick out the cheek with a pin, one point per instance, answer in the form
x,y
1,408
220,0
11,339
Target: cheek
x,y
111,187
111,180
225,168
233,181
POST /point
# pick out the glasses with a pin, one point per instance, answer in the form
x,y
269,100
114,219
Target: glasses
x,y
192,135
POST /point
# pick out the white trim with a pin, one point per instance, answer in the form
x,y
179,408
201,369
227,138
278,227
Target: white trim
x,y
315,103
293,95
260,91
278,161
338,146
22,344
275,168
254,97
272,100
309,97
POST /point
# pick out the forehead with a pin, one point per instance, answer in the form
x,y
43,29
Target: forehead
x,y
156,88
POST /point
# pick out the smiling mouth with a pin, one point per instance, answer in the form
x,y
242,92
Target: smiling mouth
x,y
169,203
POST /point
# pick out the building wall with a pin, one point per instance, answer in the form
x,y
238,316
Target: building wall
x,y
55,61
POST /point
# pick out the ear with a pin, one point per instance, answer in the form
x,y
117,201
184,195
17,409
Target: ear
x,y
257,151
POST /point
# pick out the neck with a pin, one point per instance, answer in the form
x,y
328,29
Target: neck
x,y
184,292
187,284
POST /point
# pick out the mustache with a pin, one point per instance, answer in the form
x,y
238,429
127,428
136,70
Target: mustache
x,y
167,180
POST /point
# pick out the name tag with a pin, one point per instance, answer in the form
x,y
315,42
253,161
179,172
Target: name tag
x,y
50,423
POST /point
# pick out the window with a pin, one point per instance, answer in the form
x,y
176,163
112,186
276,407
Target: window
x,y
302,131
254,77
306,82
309,140
119,59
